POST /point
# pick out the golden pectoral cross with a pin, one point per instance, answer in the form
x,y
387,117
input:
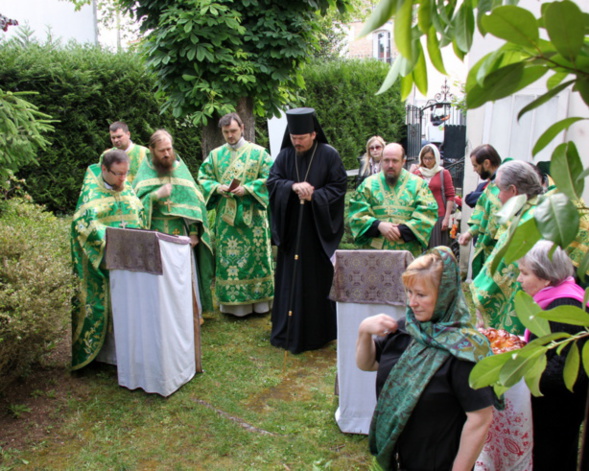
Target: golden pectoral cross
x,y
168,203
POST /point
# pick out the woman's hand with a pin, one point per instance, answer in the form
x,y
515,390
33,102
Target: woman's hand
x,y
472,438
464,238
381,324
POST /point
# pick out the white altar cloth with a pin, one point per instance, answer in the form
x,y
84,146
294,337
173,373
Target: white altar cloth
x,y
366,283
153,322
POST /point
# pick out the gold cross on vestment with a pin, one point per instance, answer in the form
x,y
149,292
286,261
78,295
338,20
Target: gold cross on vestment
x,y
176,232
168,203
123,224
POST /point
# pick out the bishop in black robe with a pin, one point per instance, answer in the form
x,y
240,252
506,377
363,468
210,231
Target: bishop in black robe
x,y
313,320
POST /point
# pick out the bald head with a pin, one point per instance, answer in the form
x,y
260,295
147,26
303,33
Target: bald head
x,y
393,159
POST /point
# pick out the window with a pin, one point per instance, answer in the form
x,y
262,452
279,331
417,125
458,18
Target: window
x,y
382,46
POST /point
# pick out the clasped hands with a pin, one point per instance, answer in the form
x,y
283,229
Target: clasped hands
x,y
390,231
304,190
224,190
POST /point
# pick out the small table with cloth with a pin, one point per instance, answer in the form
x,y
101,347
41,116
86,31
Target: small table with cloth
x,y
156,328
365,283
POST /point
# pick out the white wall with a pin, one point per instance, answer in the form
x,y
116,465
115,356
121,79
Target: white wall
x,y
59,15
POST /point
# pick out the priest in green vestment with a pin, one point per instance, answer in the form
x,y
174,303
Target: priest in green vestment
x,y
174,205
106,200
493,293
483,225
120,136
244,279
393,209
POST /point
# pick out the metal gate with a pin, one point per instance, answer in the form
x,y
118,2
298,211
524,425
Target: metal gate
x,y
439,122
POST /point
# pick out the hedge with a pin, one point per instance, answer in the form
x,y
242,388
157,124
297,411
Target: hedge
x,y
343,95
85,88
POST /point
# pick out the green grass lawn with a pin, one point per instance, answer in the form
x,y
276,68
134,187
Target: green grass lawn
x,y
249,410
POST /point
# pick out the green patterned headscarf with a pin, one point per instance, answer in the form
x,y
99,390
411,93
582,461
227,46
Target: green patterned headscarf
x,y
449,332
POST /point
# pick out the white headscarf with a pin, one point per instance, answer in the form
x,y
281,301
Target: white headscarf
x,y
430,172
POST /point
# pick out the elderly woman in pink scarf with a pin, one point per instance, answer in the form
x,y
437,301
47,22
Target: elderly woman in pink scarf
x,y
440,183
558,413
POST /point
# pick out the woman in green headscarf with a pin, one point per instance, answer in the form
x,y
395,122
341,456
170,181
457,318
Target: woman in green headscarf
x,y
427,416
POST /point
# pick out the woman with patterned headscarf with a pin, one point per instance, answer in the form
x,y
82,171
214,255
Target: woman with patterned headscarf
x,y
427,416
441,185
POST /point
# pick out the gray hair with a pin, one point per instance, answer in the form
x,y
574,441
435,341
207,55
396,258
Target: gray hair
x,y
521,175
554,270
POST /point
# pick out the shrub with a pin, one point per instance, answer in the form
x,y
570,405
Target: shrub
x,y
36,285
343,94
85,88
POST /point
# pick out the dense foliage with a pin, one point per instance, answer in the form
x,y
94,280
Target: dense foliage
x,y
35,285
84,89
555,45
208,55
22,129
342,92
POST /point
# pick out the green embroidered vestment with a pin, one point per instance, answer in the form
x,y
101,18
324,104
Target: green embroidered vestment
x,y
182,213
244,272
410,203
97,208
484,225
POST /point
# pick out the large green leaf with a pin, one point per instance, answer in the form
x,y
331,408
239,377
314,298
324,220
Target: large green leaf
x,y
420,70
424,16
557,219
393,74
464,27
571,367
514,24
544,98
585,356
567,314
567,165
565,25
486,372
524,238
534,375
552,132
511,208
526,310
403,24
433,49
503,82
380,15
582,86
583,267
522,362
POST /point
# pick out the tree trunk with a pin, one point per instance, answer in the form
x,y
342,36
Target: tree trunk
x,y
212,136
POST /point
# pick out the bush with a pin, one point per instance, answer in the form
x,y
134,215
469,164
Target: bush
x,y
85,88
343,94
36,285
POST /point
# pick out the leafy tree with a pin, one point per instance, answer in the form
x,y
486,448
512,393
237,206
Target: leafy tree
x,y
216,56
525,57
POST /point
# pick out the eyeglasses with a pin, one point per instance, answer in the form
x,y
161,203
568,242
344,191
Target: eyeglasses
x,y
375,148
119,174
428,158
